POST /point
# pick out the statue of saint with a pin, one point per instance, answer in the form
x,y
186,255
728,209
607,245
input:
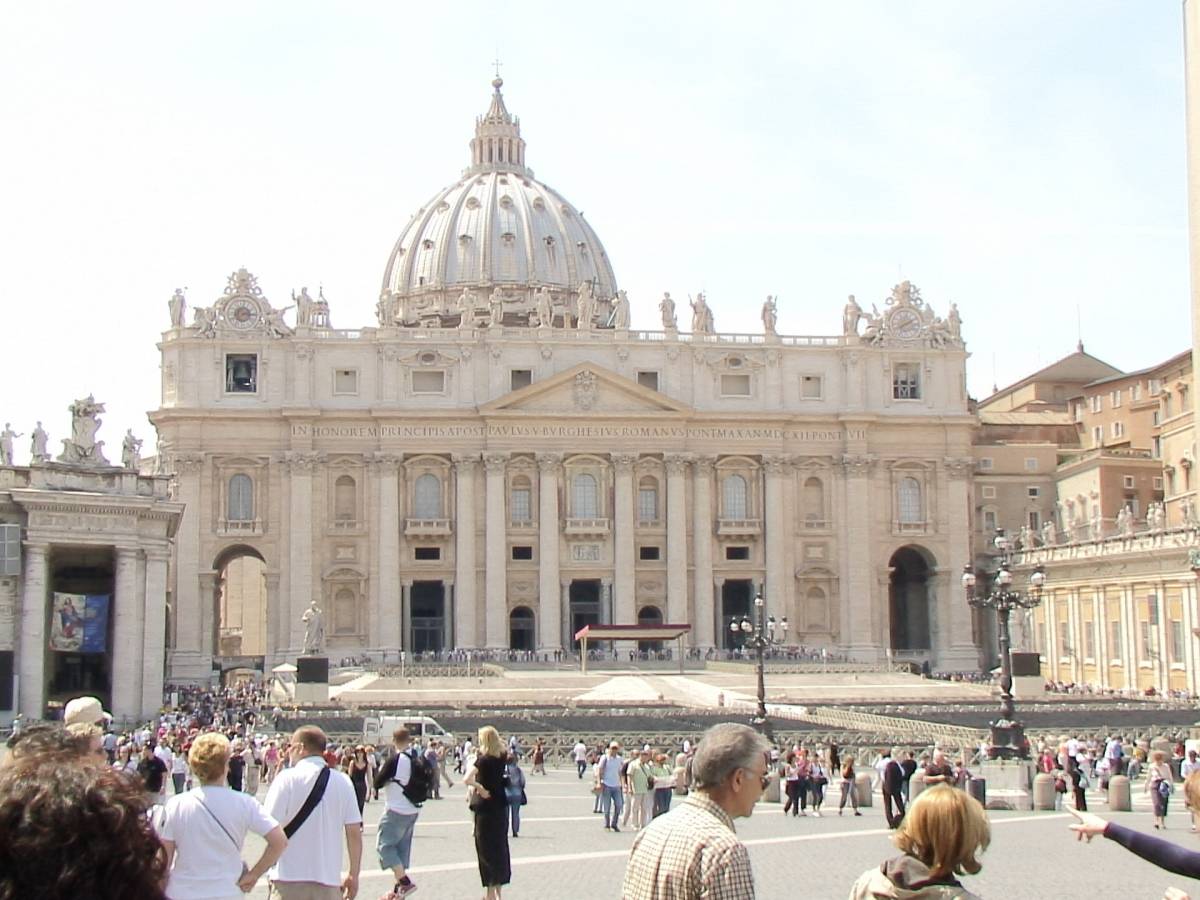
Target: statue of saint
x,y
304,307
586,307
131,450
667,307
702,320
178,306
6,444
544,307
851,316
1048,534
954,321
620,314
82,448
314,629
496,307
37,448
769,315
466,309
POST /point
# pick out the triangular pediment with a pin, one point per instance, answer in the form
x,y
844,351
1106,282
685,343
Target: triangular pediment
x,y
585,389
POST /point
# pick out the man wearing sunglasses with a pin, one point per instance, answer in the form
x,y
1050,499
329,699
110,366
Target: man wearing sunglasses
x,y
692,851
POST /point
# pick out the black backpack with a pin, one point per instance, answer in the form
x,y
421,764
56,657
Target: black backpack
x,y
420,781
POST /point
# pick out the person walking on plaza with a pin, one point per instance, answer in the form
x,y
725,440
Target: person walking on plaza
x,y
204,830
791,782
539,758
394,841
358,770
818,778
692,852
1159,785
442,750
803,779
179,769
893,795
664,784
908,766
153,773
848,790
514,790
431,759
580,752
320,810
940,838
641,783
608,776
489,805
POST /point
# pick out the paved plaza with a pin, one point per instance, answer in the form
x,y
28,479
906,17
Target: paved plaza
x,y
564,853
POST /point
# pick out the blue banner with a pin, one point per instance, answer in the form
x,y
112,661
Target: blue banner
x,y
95,623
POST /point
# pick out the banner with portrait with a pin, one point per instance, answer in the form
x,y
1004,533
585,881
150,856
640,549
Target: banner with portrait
x,y
79,623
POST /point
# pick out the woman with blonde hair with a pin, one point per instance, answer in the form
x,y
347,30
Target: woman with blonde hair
x,y
941,836
489,803
203,830
1159,785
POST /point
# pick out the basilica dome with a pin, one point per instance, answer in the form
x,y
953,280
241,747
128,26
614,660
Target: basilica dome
x,y
495,236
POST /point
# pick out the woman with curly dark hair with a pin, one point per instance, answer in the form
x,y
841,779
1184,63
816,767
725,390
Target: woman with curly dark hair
x,y
73,831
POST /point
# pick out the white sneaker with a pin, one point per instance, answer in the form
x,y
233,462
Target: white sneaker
x,y
817,813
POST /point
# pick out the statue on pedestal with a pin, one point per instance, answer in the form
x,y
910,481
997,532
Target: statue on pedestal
x,y
275,325
496,308
314,629
850,317
466,309
620,313
6,444
1049,537
586,307
702,318
178,307
37,447
205,321
131,450
543,307
304,307
82,448
769,315
667,307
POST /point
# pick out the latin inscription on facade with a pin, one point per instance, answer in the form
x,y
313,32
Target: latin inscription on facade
x,y
585,552
500,431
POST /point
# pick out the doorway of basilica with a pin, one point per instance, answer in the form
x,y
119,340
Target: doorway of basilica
x,y
427,608
908,599
737,597
584,605
240,622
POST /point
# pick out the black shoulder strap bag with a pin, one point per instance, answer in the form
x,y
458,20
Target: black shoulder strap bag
x,y
314,797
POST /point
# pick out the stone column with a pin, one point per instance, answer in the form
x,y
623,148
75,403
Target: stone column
x,y
550,604
703,634
1188,598
496,551
1130,637
386,594
154,642
31,645
777,470
564,614
624,583
300,545
465,604
957,652
858,607
127,659
192,653
676,464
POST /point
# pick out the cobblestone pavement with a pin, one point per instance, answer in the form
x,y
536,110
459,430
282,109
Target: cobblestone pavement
x,y
563,852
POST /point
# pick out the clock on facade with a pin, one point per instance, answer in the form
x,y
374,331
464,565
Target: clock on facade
x,y
905,323
242,313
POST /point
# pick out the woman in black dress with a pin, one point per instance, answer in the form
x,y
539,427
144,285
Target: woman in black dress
x,y
357,770
490,806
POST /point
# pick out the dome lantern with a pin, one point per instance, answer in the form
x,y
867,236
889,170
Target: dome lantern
x,y
497,144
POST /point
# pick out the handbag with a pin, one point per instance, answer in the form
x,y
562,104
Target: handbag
x,y
1164,788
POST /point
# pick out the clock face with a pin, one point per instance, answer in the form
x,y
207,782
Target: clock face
x,y
241,314
905,323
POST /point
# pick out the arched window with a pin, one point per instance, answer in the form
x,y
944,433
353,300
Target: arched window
x,y
241,499
427,497
344,499
345,612
733,495
814,502
909,501
521,500
585,498
647,509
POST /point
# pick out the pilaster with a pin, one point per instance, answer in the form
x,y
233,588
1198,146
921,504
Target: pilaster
x,y
465,602
702,553
127,651
676,464
550,602
958,652
385,618
154,642
625,612
191,655
857,566
300,558
496,550
776,470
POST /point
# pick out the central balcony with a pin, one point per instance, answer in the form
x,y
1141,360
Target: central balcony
x,y
586,527
427,527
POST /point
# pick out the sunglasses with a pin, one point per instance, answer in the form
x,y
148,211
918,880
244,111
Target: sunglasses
x,y
763,779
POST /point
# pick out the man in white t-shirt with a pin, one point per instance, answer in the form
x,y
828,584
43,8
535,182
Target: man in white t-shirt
x,y
310,868
580,753
394,841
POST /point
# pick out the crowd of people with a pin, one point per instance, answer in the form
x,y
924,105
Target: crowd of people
x,y
164,810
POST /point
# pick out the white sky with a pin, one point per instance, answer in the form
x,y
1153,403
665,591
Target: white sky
x,y
1023,159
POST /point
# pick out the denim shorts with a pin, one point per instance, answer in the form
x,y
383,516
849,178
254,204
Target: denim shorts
x,y
394,841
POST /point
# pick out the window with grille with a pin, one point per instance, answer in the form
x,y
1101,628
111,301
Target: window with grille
x,y
989,519
10,549
521,504
648,503
344,499
814,501
427,497
1176,641
585,499
906,383
733,496
241,499
1089,640
1114,650
909,501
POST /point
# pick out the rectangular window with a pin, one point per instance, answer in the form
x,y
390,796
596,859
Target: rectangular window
x,y
1152,607
648,379
1155,387
737,552
811,387
1114,650
1145,633
1157,481
427,554
647,505
1115,399
1118,429
10,549
345,381
1128,482
522,552
650,553
1033,492
1031,464
989,492
1097,403
429,382
520,378
1176,641
521,503
906,381
1064,638
1156,452
1132,502
1035,520
1089,640
986,464
1135,392
1097,435
989,520
1156,417
735,385
241,373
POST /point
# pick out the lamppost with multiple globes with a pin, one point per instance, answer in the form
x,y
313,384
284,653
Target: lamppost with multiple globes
x,y
1008,735
760,634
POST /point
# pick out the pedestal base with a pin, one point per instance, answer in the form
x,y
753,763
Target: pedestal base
x,y
1009,783
308,693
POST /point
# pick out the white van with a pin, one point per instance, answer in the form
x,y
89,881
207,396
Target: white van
x,y
378,730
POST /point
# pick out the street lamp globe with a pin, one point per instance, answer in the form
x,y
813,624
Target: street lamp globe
x,y
1001,540
1037,580
968,579
733,626
746,626
1004,577
758,600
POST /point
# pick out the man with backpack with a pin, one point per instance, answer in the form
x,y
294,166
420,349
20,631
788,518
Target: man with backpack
x,y
318,806
407,780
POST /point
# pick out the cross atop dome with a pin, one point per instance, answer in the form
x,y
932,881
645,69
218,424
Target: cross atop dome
x,y
497,143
